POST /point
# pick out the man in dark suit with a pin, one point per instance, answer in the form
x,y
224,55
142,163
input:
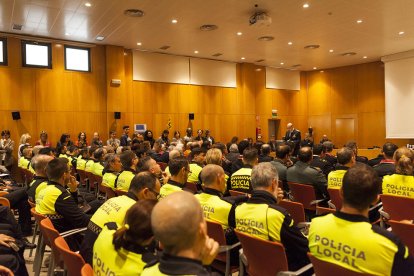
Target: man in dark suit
x,y
319,160
293,135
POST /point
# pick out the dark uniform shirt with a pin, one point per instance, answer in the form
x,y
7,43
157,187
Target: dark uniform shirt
x,y
385,167
331,159
322,164
352,242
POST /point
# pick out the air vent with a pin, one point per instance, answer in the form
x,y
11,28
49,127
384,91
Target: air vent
x,y
296,65
217,54
260,60
134,13
348,54
17,27
312,47
165,47
266,38
208,27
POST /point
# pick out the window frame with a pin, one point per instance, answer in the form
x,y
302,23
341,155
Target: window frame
x,y
49,47
5,61
78,48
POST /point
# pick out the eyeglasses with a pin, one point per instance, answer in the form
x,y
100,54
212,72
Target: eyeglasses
x,y
157,195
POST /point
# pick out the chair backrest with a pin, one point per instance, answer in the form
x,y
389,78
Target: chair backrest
x,y
3,193
91,178
38,217
295,209
215,231
72,260
31,203
82,176
335,198
120,192
303,193
237,193
405,232
49,234
323,268
264,257
324,210
163,165
4,202
191,186
398,207
87,270
108,191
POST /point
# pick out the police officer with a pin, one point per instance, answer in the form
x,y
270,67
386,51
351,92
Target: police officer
x,y
346,159
40,180
198,156
386,166
319,160
293,135
143,186
82,159
261,217
240,180
98,163
129,161
347,239
183,235
179,170
303,173
112,169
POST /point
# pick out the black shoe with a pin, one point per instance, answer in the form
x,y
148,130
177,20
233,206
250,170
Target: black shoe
x,y
27,244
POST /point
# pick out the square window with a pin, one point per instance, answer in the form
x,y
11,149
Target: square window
x,y
77,59
36,54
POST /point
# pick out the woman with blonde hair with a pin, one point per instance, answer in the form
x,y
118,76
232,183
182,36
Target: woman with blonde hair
x,y
402,182
24,141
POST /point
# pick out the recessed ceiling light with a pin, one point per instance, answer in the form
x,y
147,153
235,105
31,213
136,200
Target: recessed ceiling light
x,y
258,69
401,33
100,38
195,52
321,71
239,33
359,21
364,57
331,51
87,4
306,5
282,63
174,21
243,58
67,33
58,45
314,68
290,43
139,43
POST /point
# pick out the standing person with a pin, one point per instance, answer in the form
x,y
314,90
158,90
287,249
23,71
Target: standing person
x,y
113,141
293,135
24,141
6,150
149,136
82,142
125,140
43,141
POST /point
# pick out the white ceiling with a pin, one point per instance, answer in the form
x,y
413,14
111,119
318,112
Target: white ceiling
x,y
329,23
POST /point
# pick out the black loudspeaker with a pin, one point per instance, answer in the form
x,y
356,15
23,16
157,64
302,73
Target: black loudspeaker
x,y
190,116
117,115
16,115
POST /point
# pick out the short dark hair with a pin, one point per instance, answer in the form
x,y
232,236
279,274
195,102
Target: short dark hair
x,y
250,155
344,155
98,154
305,154
56,168
219,146
244,144
143,180
282,151
265,149
389,149
166,131
125,127
329,146
352,145
197,151
126,158
176,164
360,186
46,150
318,149
143,164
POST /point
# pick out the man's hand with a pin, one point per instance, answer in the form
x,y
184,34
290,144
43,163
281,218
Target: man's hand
x,y
73,184
210,251
279,194
4,240
4,271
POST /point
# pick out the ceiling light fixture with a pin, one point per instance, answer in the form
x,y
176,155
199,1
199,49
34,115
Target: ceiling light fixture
x,y
208,27
312,47
239,33
266,38
359,21
195,52
331,51
139,43
100,38
401,33
314,68
174,21
290,43
243,58
134,13
87,4
67,34
305,6
364,57
348,54
282,63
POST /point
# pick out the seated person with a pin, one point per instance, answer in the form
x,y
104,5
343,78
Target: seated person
x,y
328,155
319,160
240,180
112,168
401,183
280,163
347,239
40,180
196,165
346,159
99,156
82,159
129,162
353,146
265,154
386,165
125,250
263,218
183,236
179,170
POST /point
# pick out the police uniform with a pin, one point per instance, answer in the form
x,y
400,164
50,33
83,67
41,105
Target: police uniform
x,y
322,164
171,187
335,177
56,203
398,185
110,179
293,136
303,173
261,217
81,163
125,178
88,165
97,168
240,180
331,159
68,157
195,172
352,242
38,183
385,167
24,163
174,265
129,260
113,210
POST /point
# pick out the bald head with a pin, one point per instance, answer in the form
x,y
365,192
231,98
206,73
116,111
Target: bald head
x,y
210,174
40,162
289,126
176,221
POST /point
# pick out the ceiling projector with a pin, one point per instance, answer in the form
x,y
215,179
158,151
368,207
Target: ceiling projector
x,y
260,19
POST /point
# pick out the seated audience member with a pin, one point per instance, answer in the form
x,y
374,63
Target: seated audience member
x,y
319,160
48,151
387,165
265,154
113,141
238,163
129,163
164,140
127,249
261,217
183,236
280,163
6,150
149,136
189,135
346,160
328,155
199,136
40,180
307,142
401,183
226,163
159,154
198,156
112,169
143,186
148,164
177,137
91,160
240,180
324,139
303,173
293,158
81,142
125,140
99,156
82,159
96,140
179,170
24,161
233,154
353,146
58,204
347,239
208,137
43,141
215,156
11,262
172,154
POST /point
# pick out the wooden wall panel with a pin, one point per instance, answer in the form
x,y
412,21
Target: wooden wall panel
x,y
343,90
319,93
370,86
321,125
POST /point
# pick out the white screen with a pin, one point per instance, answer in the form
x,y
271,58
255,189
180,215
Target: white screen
x,y
1,51
77,59
37,55
282,79
212,72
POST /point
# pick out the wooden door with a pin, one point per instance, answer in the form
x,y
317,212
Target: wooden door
x,y
344,131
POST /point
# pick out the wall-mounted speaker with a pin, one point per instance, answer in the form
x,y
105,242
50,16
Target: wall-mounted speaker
x,y
16,115
117,115
190,116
